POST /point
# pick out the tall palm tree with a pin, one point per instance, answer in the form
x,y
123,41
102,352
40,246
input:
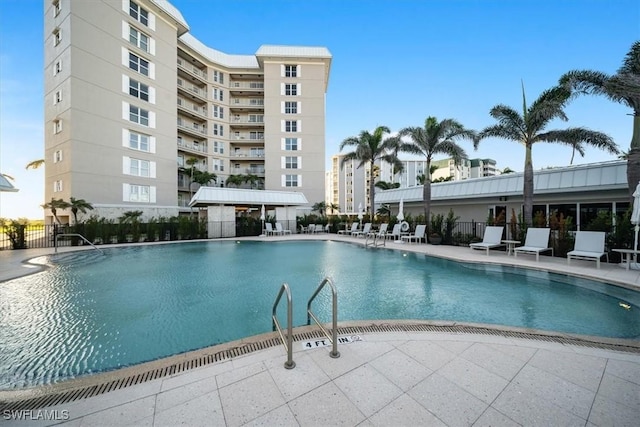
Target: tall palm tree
x,y
204,178
252,180
528,128
79,205
236,180
370,147
35,164
320,207
622,87
333,207
436,137
54,205
384,185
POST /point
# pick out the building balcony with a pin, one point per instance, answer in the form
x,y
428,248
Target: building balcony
x,y
196,93
191,70
246,87
192,109
199,130
247,104
247,137
247,155
248,171
247,121
194,147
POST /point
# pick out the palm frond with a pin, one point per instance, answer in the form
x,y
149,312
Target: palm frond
x,y
631,62
579,135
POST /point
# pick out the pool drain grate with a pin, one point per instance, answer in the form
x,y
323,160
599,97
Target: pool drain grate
x,y
58,398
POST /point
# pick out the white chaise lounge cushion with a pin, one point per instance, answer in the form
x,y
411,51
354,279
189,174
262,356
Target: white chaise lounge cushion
x,y
537,241
492,239
589,245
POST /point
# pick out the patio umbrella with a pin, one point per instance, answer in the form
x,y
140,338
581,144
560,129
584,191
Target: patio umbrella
x,y
400,209
262,218
360,214
635,214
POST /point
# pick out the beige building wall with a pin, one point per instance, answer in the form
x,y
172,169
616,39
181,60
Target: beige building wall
x,y
190,102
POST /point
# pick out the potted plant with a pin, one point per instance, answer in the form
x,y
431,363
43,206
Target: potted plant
x,y
435,230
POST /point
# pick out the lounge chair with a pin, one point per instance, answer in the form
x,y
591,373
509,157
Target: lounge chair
x,y
417,235
365,230
537,241
589,245
268,229
280,230
492,239
395,233
319,228
354,228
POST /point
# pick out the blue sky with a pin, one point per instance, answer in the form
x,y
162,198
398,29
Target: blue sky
x,y
395,62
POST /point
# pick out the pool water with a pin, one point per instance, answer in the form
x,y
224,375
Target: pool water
x,y
91,312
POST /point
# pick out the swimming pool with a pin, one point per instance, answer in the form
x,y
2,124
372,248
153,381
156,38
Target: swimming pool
x,y
91,313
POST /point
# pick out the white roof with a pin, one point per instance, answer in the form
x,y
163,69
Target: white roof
x,y
206,196
5,185
294,51
172,11
224,59
591,177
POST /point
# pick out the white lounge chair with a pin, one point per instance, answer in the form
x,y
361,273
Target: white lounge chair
x,y
354,228
417,235
268,229
395,233
492,239
365,230
537,241
589,245
281,230
319,228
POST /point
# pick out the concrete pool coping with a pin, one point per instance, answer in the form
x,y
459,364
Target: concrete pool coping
x,y
268,343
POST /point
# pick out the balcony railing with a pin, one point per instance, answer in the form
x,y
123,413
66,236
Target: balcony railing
x,y
192,127
248,136
192,88
248,153
191,69
247,102
248,119
201,148
247,85
192,107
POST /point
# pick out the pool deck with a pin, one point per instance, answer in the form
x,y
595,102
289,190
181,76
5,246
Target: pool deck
x,y
388,378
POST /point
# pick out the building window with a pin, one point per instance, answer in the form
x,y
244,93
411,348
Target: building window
x,y
218,76
57,68
138,115
256,118
138,39
57,36
291,144
138,64
138,141
218,94
291,180
57,156
291,126
291,71
291,89
57,186
57,126
57,97
139,168
218,147
291,162
218,129
138,13
290,107
139,90
56,7
218,112
139,193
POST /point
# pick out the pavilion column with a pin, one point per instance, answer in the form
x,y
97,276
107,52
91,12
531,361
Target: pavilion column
x,y
221,221
287,217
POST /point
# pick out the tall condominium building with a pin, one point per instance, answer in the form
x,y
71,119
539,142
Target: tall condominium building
x,y
350,184
132,100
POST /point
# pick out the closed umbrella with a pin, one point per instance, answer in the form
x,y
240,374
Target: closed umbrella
x,y
635,215
262,218
360,213
400,210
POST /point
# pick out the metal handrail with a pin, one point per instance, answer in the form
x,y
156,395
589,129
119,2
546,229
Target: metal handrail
x,y
374,239
76,235
289,364
334,333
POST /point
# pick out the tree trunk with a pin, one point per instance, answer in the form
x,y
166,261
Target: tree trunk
x,y
633,159
527,191
372,194
426,193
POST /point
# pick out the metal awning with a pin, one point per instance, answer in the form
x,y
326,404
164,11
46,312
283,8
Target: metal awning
x,y
5,185
207,196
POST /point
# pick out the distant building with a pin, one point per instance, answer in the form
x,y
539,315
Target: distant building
x,y
483,167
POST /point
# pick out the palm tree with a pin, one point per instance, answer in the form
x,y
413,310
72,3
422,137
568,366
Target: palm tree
x,y
432,170
370,147
54,205
436,138
421,179
203,178
622,87
251,179
384,185
79,205
507,170
236,180
528,128
319,207
333,207
35,164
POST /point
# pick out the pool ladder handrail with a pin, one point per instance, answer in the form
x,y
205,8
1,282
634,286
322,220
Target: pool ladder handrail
x,y
76,235
334,333
374,240
288,343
